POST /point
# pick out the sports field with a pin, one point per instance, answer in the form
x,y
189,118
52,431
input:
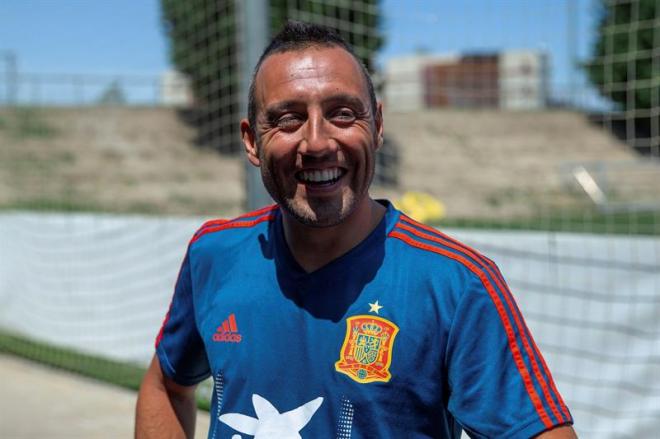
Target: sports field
x,y
533,127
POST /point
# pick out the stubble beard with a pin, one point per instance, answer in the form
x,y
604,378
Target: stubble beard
x,y
321,212
325,212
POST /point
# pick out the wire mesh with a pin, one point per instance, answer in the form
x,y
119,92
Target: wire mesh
x,y
541,144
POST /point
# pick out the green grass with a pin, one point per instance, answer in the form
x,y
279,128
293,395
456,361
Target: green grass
x,y
26,122
52,205
627,223
112,371
115,372
623,223
69,205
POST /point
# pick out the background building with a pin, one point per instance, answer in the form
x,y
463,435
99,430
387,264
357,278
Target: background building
x,y
175,90
510,80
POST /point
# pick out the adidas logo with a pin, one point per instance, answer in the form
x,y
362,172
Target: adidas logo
x,y
228,331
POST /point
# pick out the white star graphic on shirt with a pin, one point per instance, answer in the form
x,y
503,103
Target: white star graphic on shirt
x,y
270,423
375,307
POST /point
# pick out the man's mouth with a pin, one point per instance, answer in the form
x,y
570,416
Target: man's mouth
x,y
320,177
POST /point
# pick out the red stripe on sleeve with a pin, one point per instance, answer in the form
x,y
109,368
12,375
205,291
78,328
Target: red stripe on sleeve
x,y
210,223
218,222
532,351
214,226
159,337
546,369
232,225
511,338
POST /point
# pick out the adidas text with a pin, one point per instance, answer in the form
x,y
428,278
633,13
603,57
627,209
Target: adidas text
x,y
227,337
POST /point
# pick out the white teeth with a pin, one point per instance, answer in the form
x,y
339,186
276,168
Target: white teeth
x,y
318,176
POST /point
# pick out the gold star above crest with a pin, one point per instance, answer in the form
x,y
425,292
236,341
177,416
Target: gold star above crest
x,y
375,307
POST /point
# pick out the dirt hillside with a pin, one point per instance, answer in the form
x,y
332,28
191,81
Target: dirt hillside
x,y
478,163
113,159
497,163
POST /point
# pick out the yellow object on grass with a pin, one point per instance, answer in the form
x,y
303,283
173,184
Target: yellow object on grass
x,y
421,206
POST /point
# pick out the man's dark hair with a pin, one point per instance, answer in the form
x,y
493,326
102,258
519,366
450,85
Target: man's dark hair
x,y
296,35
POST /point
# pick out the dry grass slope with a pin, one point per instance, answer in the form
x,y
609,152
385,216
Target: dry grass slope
x,y
497,164
113,159
479,163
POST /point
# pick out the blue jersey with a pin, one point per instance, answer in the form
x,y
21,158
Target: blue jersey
x,y
408,335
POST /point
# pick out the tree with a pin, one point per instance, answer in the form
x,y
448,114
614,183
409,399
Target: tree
x,y
203,45
112,95
357,21
622,63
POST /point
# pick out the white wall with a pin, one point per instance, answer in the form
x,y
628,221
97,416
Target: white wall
x,y
99,283
523,80
404,81
175,89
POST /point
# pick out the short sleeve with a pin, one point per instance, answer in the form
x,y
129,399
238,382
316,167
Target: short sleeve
x,y
179,347
500,385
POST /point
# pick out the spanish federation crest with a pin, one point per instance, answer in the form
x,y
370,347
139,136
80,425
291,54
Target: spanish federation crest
x,y
366,354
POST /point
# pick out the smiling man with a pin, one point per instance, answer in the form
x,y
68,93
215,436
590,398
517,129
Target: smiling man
x,y
330,314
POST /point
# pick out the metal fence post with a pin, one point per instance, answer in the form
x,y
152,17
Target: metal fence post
x,y
252,20
11,78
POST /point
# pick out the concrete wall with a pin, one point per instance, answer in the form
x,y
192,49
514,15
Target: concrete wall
x,y
523,80
175,89
511,80
404,82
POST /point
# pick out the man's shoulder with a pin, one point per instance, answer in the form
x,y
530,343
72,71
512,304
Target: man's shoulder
x,y
430,246
243,225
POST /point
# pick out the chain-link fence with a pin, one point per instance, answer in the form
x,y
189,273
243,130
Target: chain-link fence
x,y
536,144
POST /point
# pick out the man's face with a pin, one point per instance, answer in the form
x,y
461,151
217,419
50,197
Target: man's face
x,y
316,134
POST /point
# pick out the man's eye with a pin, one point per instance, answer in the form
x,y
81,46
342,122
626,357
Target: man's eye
x,y
289,122
344,115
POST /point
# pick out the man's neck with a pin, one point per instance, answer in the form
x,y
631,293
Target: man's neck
x,y
314,247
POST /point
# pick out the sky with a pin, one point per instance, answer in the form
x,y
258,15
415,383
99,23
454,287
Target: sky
x,y
84,36
125,37
448,26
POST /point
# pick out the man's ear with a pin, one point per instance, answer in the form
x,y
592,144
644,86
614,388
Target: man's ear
x,y
378,119
250,143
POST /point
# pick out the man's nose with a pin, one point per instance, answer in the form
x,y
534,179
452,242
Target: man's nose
x,y
317,140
